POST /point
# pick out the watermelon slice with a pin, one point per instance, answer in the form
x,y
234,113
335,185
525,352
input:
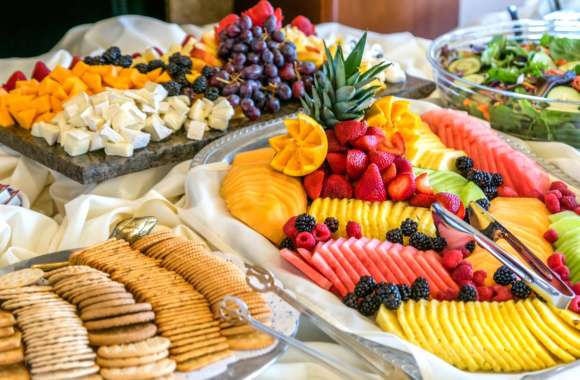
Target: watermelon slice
x,y
335,265
434,261
334,247
371,250
410,275
320,264
306,255
352,259
306,269
383,251
358,248
408,254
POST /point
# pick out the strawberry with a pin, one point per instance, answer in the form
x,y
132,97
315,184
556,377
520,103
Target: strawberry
x,y
552,203
451,258
450,201
403,166
563,272
11,82
337,163
334,146
337,186
506,191
224,23
40,71
577,210
485,293
370,187
134,55
423,185
568,202
557,193
575,304
551,235
382,159
422,200
390,173
576,288
479,277
290,228
75,59
304,24
353,230
367,143
350,130
558,185
356,163
261,11
402,187
461,212
158,50
313,183
396,145
556,259
374,131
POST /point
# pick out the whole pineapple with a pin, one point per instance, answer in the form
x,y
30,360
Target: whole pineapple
x,y
340,90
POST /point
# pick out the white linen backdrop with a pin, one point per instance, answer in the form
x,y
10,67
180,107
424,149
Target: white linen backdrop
x,y
84,214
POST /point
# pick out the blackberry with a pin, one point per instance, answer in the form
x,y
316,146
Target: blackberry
x,y
388,294
155,64
438,243
212,93
409,227
395,236
181,61
467,293
125,61
91,60
173,88
143,68
332,224
112,55
365,286
420,289
481,178
208,71
305,222
521,290
200,84
484,203
464,164
470,246
504,276
496,179
351,301
405,292
490,192
369,305
175,71
420,241
287,243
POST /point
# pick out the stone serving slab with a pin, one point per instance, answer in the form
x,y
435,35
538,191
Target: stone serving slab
x,y
95,167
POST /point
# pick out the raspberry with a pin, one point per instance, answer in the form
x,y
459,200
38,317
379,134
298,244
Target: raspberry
x,y
502,293
485,293
479,277
552,203
576,288
563,272
464,271
353,230
290,228
568,202
575,305
305,240
558,185
321,232
551,235
466,283
557,193
556,259
452,258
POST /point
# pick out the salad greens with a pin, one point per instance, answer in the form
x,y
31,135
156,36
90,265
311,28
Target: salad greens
x,y
562,48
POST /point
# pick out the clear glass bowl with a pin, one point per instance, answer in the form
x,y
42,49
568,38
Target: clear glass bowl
x,y
525,116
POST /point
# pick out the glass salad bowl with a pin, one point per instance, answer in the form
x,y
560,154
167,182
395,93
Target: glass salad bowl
x,y
555,117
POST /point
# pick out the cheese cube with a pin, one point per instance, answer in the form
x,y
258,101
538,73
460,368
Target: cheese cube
x,y
156,128
110,134
91,119
97,142
123,119
174,120
195,129
164,107
218,122
201,109
123,149
36,129
185,99
136,138
158,91
147,108
76,142
178,104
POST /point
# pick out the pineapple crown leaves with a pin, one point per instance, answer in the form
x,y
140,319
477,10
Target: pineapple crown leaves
x,y
340,91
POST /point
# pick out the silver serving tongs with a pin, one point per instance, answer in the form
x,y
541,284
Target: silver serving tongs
x,y
486,230
384,361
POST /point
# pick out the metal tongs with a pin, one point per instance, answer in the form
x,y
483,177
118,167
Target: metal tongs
x,y
383,361
486,230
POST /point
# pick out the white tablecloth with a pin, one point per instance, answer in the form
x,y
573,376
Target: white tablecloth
x,y
66,214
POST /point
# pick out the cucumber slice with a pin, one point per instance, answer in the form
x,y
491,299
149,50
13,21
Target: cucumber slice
x,y
541,57
465,66
569,66
564,93
475,78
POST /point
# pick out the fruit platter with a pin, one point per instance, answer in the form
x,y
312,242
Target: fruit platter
x,y
523,77
87,312
341,211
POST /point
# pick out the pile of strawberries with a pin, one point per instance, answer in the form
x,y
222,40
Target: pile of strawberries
x,y
363,163
560,198
557,263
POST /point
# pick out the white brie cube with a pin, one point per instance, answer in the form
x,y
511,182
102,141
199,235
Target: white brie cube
x,y
174,120
178,104
147,108
123,149
201,109
136,138
156,128
123,119
185,99
138,114
58,118
223,108
50,133
91,119
164,107
76,121
101,108
101,97
218,122
36,129
110,134
97,142
71,109
195,129
158,91
76,142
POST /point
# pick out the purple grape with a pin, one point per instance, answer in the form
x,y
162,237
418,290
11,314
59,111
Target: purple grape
x,y
223,35
267,56
215,82
277,36
253,58
222,74
273,45
246,103
230,68
238,68
257,31
252,72
284,92
274,81
253,113
238,59
246,36
231,89
270,70
254,84
273,104
289,51
259,45
297,89
246,90
233,30
287,72
308,82
234,100
259,98
228,43
278,58
223,52
270,24
307,67
240,48
245,22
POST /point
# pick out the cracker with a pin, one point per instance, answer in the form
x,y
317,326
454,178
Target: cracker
x,y
107,304
13,356
62,366
120,335
14,372
6,331
68,374
144,243
189,334
11,342
132,361
253,341
104,312
24,290
197,345
107,297
190,328
197,363
50,359
96,292
20,278
146,347
198,352
160,368
59,352
6,319
123,320
185,341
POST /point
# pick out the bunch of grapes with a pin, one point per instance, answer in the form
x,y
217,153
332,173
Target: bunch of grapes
x,y
261,68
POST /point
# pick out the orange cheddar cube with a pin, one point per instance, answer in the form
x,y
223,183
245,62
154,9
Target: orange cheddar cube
x,y
126,72
60,74
18,103
5,119
60,93
80,68
153,75
47,86
25,118
72,82
93,81
41,104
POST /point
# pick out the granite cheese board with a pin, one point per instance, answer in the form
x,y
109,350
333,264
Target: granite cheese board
x,y
96,167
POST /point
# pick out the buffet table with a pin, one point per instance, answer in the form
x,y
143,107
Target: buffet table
x,y
64,214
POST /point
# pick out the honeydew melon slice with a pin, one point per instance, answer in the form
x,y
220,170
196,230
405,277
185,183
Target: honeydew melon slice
x,y
470,192
559,216
566,224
